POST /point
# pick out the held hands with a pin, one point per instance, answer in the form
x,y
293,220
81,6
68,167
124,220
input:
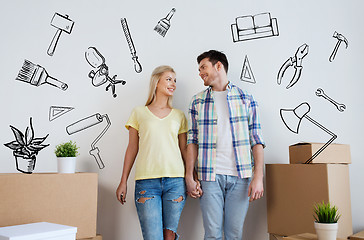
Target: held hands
x,y
256,189
121,193
193,188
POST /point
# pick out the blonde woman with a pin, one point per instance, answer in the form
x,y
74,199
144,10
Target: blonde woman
x,y
157,134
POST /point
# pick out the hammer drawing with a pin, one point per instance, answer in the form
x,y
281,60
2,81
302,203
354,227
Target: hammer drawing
x,y
63,24
340,38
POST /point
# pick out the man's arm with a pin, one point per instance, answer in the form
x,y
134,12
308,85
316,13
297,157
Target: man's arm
x,y
256,188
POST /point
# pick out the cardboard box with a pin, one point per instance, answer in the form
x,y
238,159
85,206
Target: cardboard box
x,y
333,153
98,237
67,199
38,231
275,237
293,189
304,236
357,236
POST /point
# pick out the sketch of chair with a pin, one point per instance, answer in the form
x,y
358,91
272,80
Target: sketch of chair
x,y
253,27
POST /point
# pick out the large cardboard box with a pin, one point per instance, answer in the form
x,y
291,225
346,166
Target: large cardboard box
x,y
293,189
334,153
305,236
275,237
358,236
38,231
67,199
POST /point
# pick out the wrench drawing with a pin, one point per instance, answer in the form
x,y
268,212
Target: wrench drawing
x,y
320,93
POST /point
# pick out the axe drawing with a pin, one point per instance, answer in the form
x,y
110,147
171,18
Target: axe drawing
x,y
63,24
340,38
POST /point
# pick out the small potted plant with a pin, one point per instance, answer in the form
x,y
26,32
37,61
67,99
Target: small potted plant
x,y
25,148
326,218
66,154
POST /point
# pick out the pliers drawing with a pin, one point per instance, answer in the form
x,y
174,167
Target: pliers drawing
x,y
296,62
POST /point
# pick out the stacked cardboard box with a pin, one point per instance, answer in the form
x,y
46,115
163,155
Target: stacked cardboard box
x,y
67,199
357,236
293,189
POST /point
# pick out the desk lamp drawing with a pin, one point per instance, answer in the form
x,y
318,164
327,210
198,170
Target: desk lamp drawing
x,y
101,76
292,119
296,62
87,123
254,27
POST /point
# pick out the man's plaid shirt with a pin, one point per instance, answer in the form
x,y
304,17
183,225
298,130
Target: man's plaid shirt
x,y
245,129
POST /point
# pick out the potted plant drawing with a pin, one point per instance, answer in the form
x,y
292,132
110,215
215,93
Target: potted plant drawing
x,y
326,218
25,148
66,154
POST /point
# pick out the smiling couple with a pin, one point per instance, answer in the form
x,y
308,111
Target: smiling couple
x,y
216,156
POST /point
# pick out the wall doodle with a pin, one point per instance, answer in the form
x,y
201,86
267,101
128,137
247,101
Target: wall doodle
x,y
63,24
125,27
254,27
57,111
36,75
101,76
90,122
164,24
320,93
292,119
247,73
340,38
25,148
296,62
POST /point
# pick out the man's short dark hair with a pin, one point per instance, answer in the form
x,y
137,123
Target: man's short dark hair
x,y
214,57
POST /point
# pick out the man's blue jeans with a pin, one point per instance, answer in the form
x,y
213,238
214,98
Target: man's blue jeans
x,y
224,205
159,204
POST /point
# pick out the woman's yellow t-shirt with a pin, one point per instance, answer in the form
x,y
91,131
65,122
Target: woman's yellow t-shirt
x,y
159,154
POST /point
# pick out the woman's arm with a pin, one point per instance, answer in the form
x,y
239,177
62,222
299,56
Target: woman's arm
x,y
129,159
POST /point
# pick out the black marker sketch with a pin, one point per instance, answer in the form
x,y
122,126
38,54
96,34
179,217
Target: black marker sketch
x,y
292,119
247,73
164,24
63,24
90,122
320,93
56,111
340,38
137,65
296,62
253,27
36,75
101,76
25,148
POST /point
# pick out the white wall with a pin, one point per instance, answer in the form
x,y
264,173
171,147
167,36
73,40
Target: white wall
x,y
196,26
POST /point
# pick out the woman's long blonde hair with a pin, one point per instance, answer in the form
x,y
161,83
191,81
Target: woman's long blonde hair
x,y
156,74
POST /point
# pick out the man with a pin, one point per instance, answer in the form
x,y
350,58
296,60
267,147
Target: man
x,y
225,138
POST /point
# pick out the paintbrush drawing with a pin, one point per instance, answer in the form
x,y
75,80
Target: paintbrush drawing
x,y
125,27
63,24
36,75
164,24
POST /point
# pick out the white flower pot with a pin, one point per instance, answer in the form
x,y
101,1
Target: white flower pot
x,y
66,164
326,231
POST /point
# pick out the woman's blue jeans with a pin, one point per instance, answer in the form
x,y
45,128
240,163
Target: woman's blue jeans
x,y
224,205
159,204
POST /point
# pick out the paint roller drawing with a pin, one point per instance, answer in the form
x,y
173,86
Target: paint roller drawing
x,y
87,123
36,75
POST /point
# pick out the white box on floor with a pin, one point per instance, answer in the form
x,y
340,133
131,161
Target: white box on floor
x,y
38,231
